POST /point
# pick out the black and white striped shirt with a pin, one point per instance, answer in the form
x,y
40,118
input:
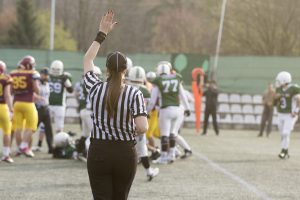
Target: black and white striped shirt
x,y
130,105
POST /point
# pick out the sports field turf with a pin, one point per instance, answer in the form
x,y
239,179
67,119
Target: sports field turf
x,y
235,165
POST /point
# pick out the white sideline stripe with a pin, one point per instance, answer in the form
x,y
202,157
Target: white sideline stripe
x,y
234,177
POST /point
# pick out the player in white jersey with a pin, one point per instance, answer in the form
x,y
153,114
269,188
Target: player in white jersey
x,y
168,87
288,103
136,78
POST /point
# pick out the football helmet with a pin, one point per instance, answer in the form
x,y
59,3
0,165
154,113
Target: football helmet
x,y
27,62
57,68
129,63
2,67
283,78
61,139
163,67
137,74
151,76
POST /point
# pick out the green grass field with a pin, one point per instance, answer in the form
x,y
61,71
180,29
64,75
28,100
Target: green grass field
x,y
235,165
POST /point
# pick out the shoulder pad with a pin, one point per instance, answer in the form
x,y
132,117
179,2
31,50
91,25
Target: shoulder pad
x,y
67,75
36,75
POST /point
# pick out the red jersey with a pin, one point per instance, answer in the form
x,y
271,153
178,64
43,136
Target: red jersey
x,y
23,84
4,81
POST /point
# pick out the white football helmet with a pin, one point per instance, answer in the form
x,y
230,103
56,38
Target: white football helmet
x,y
163,67
61,139
137,74
129,63
283,78
97,71
151,76
57,68
2,67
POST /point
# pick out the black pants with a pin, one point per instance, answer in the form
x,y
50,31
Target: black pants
x,y
44,116
111,167
267,117
213,113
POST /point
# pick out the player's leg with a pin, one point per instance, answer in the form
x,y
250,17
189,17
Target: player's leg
x,y
165,127
31,117
41,132
59,118
5,125
176,112
288,126
153,127
18,125
48,130
206,117
142,153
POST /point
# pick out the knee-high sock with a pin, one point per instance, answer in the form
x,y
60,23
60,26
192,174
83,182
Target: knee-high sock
x,y
164,143
181,142
285,140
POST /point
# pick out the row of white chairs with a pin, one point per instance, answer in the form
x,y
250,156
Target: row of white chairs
x,y
237,98
245,109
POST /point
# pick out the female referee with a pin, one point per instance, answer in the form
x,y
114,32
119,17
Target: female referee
x,y
118,113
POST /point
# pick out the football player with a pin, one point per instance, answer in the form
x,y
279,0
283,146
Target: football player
x,y
59,81
6,110
136,78
288,102
25,118
170,90
85,114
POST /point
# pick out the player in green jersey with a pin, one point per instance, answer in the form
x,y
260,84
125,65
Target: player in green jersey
x,y
59,82
137,78
288,101
85,113
168,88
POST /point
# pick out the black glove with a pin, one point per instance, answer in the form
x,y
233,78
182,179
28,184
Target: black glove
x,y
187,113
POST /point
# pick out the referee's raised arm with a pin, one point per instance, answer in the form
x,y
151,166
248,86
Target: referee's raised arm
x,y
118,114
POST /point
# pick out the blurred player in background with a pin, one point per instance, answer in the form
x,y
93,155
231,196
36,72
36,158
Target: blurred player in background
x,y
169,89
25,118
211,104
85,114
136,78
42,105
268,100
6,110
59,81
288,102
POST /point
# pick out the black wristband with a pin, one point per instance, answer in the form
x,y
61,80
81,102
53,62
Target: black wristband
x,y
100,37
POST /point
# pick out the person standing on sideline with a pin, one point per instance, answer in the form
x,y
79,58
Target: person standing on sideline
x,y
42,106
118,113
211,103
267,115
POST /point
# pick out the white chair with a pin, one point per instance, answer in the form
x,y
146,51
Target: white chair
x,y
235,98
257,99
224,108
258,119
246,98
236,108
72,102
258,109
223,98
237,119
249,119
248,109
72,112
226,120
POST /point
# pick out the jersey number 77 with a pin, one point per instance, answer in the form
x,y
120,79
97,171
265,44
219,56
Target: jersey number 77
x,y
170,85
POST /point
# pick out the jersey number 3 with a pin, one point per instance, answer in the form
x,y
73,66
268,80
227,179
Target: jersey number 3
x,y
170,85
283,103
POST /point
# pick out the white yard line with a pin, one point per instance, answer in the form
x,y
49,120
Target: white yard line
x,y
234,177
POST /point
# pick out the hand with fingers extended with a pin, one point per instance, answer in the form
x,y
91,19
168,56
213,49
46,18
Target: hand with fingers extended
x,y
107,24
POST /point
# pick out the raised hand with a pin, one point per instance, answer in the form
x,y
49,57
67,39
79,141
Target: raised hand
x,y
107,23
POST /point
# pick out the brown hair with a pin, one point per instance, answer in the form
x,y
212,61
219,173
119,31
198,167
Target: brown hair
x,y
116,65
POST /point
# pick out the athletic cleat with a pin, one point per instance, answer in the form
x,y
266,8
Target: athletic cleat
x,y
7,159
161,160
284,154
177,153
155,155
19,152
171,157
36,149
187,153
27,152
152,173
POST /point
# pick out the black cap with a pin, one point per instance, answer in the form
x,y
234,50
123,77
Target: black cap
x,y
116,61
45,71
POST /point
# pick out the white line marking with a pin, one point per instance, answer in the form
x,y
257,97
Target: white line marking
x,y
234,177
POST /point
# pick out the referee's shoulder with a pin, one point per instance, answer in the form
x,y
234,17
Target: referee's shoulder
x,y
134,90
